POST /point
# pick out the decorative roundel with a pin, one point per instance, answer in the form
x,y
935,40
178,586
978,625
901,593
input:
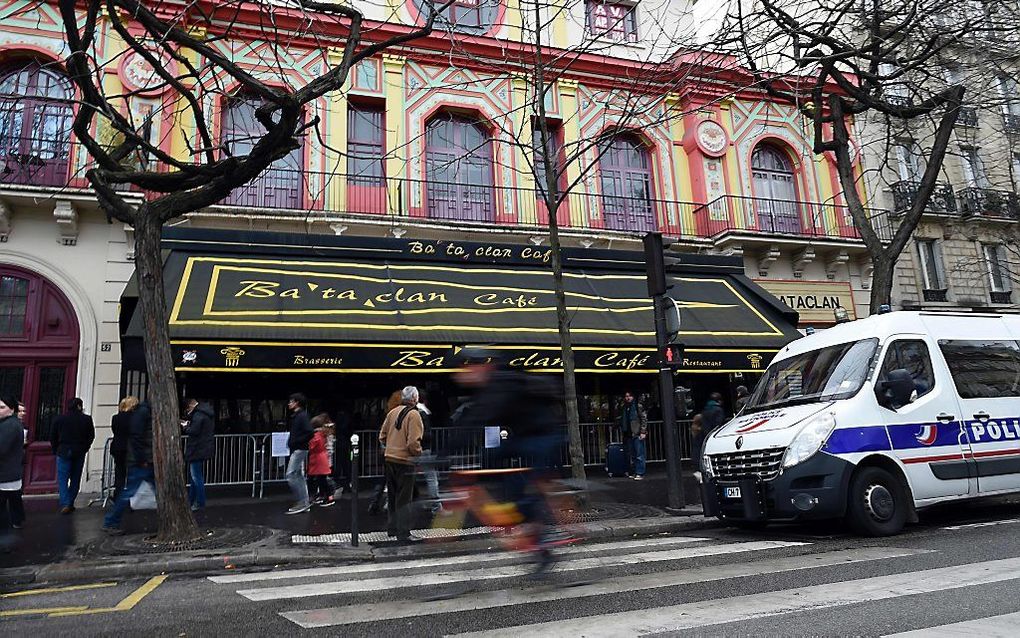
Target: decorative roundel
x,y
712,138
138,75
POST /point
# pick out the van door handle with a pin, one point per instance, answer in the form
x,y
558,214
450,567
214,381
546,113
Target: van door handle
x,y
982,416
945,418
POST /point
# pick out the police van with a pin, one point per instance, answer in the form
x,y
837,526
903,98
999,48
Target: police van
x,y
872,420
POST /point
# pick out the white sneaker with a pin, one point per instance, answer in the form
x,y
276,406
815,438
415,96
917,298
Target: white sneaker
x,y
297,509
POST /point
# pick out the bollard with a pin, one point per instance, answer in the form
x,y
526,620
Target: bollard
x,y
354,490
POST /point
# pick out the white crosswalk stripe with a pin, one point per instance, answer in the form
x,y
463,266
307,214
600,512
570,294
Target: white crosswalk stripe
x,y
725,610
1004,626
494,573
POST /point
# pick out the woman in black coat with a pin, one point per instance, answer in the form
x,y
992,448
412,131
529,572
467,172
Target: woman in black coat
x,y
121,426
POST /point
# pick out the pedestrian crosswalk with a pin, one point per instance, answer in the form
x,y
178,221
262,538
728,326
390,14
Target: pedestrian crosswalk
x,y
494,590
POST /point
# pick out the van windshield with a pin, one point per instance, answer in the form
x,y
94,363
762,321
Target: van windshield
x,y
836,372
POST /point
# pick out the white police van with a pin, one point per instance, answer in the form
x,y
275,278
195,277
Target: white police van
x,y
871,420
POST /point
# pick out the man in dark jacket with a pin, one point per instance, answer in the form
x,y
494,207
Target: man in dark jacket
x,y
73,434
634,426
12,456
301,433
201,446
139,470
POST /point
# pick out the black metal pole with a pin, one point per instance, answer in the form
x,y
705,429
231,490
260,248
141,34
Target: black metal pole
x,y
674,487
354,490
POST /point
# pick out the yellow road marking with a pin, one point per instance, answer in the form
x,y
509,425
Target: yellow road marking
x,y
42,610
54,590
128,603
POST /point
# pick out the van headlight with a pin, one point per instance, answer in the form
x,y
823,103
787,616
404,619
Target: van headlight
x,y
810,439
706,467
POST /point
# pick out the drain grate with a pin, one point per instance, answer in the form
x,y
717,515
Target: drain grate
x,y
212,538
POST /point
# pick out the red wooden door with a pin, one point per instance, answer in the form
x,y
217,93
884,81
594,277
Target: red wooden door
x,y
38,362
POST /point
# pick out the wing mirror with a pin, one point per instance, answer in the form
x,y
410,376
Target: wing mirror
x,y
896,390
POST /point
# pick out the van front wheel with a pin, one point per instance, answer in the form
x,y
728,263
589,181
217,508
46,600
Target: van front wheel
x,y
878,503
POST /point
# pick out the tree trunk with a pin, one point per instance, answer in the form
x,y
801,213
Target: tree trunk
x,y
883,269
176,523
576,448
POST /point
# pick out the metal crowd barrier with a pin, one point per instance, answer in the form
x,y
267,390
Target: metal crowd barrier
x,y
246,459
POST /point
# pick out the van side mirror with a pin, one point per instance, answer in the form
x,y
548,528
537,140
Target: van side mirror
x,y
895,391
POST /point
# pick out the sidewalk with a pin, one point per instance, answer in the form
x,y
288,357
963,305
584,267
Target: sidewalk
x,y
619,506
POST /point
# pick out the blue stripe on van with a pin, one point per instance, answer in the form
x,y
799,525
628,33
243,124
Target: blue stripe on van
x,y
860,439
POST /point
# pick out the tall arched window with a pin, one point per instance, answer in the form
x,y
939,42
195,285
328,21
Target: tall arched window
x,y
458,169
775,190
35,125
626,172
279,186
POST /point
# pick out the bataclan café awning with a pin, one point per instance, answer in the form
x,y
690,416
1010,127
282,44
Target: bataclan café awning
x,y
261,302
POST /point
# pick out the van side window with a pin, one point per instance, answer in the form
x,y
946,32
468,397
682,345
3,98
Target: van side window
x,y
912,356
983,369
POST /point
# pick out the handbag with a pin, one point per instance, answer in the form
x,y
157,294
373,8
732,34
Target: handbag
x,y
144,497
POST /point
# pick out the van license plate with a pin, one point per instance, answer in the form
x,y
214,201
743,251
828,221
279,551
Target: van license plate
x,y
731,492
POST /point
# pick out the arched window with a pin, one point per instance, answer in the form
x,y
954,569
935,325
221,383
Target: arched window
x,y
279,186
626,172
35,125
775,191
458,169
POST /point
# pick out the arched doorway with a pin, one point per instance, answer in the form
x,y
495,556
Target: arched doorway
x,y
458,169
625,169
775,190
39,341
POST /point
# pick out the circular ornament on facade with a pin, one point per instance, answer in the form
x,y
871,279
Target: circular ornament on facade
x,y
138,75
712,138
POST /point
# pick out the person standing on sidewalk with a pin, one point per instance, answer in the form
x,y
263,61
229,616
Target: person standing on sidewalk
x,y
201,446
318,462
401,433
12,459
139,467
712,415
120,424
301,433
73,434
634,425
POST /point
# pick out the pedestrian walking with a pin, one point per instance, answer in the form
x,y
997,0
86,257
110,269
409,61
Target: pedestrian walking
x,y
401,433
200,426
301,433
634,426
73,434
712,415
318,462
12,459
120,424
139,467
741,401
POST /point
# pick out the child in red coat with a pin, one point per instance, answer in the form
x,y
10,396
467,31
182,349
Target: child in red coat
x,y
318,463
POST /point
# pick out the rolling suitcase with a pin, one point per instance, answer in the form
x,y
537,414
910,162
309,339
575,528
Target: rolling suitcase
x,y
616,460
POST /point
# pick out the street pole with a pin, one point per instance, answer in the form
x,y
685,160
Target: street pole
x,y
354,490
655,268
675,488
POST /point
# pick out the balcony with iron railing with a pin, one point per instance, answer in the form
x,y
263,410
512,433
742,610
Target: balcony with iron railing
x,y
968,117
1011,122
736,214
35,161
989,202
941,202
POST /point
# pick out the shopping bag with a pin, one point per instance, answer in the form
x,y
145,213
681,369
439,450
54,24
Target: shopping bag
x,y
145,497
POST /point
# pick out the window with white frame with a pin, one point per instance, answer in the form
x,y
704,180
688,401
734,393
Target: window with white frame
x,y
1016,171
612,20
1009,89
997,263
893,83
933,274
908,161
973,168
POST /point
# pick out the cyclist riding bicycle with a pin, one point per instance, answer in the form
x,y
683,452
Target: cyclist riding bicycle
x,y
529,407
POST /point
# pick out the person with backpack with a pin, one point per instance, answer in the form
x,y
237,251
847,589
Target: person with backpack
x,y
401,434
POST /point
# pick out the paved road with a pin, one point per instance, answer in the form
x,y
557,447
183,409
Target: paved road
x,y
958,573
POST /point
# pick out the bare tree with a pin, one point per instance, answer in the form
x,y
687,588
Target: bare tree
x,y
194,51
847,61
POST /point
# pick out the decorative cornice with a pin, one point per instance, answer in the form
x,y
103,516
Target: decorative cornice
x,y
66,216
768,256
5,221
801,259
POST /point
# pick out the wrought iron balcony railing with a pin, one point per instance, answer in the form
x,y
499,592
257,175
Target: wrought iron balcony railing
x,y
968,116
34,161
1003,297
738,214
1011,122
989,203
942,200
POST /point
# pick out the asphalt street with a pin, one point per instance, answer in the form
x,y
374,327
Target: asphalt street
x,y
960,565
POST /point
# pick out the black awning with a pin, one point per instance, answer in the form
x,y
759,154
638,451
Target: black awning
x,y
387,305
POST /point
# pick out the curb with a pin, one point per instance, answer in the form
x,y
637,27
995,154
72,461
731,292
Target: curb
x,y
147,565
